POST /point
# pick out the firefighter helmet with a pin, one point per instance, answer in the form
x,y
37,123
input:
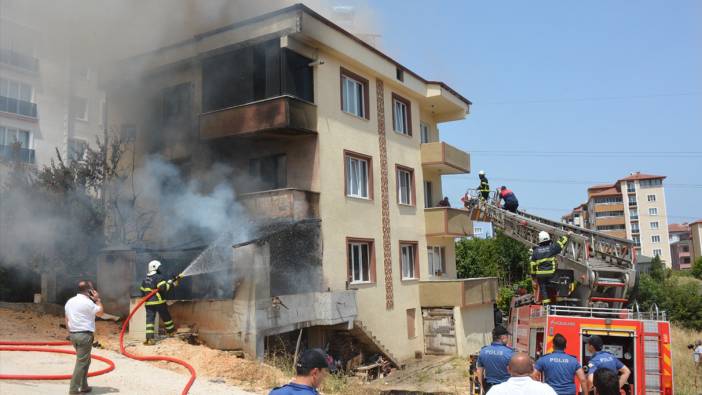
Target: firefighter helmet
x,y
153,267
481,172
544,237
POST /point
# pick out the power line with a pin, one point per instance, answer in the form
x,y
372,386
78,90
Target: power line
x,y
576,182
591,154
595,98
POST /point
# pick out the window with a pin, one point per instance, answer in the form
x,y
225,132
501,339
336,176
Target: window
x,y
652,211
632,200
685,259
354,94
176,105
636,240
269,172
651,198
405,185
631,186
437,259
399,74
655,239
409,261
654,225
411,323
77,149
685,249
657,252
423,133
358,171
608,200
361,261
611,227
635,228
428,198
651,183
401,115
477,231
16,97
609,214
633,214
12,136
79,108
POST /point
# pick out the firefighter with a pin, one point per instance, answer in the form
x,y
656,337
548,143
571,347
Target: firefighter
x,y
493,360
559,369
601,359
484,187
157,304
511,203
543,265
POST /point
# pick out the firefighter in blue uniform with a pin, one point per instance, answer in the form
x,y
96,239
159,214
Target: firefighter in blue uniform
x,y
157,304
601,359
543,265
312,368
493,360
558,369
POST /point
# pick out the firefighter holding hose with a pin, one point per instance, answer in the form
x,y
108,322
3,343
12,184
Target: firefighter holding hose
x,y
156,303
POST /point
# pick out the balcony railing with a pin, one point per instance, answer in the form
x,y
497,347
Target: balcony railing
x,y
294,204
447,222
460,292
278,115
19,107
18,154
19,60
445,158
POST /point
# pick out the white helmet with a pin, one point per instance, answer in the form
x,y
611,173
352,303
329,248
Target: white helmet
x,y
153,267
481,172
544,236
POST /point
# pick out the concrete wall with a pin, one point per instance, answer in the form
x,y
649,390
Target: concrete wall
x,y
474,327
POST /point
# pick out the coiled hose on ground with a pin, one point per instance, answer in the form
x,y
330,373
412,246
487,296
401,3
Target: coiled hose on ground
x,y
29,346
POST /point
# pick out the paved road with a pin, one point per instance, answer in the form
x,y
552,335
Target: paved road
x,y
129,376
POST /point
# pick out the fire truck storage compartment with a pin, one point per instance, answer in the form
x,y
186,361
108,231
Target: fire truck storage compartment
x,y
622,344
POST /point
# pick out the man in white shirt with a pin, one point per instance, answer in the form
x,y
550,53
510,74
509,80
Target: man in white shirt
x,y
520,383
80,321
697,354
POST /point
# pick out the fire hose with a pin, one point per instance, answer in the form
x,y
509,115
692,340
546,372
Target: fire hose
x,y
22,346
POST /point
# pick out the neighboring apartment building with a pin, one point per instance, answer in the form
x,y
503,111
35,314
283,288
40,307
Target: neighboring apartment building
x,y
577,217
696,239
321,126
47,102
631,208
680,246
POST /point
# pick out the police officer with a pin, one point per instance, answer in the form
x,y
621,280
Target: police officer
x,y
311,370
484,187
157,304
559,368
493,360
543,264
604,360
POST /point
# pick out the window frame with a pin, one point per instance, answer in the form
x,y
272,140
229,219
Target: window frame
x,y
8,142
424,133
648,197
442,257
345,73
655,239
372,278
652,225
657,252
369,178
408,114
415,256
653,211
428,194
412,192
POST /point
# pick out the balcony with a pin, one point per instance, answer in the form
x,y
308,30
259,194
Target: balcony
x,y
19,60
19,107
445,158
24,155
447,222
282,115
289,203
460,292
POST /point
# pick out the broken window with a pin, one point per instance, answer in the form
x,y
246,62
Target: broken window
x,y
358,176
408,257
359,262
255,73
401,118
269,172
405,186
437,265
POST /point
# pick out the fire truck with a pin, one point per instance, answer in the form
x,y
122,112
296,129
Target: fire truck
x,y
595,280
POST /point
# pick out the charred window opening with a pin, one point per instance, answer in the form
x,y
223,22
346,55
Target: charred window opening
x,y
255,73
176,105
269,172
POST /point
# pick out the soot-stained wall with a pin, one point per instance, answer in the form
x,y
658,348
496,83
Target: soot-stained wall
x,y
296,259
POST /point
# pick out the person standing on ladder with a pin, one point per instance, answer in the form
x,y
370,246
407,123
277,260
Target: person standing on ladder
x,y
543,265
156,303
484,187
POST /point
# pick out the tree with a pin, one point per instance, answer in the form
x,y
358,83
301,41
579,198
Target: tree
x,y
658,270
697,268
499,257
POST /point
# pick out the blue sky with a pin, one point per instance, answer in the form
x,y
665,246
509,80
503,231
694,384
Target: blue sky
x,y
555,76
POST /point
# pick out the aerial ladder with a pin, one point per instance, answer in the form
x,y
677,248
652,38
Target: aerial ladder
x,y
602,266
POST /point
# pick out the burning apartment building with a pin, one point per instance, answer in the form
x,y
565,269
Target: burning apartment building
x,y
333,153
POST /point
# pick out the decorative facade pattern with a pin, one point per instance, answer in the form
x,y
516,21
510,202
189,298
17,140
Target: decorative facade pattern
x,y
385,195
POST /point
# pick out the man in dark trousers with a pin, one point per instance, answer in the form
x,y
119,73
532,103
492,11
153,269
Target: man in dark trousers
x,y
493,360
601,359
484,187
543,265
559,369
157,303
511,203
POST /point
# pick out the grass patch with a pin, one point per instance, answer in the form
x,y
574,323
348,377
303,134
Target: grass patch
x,y
687,379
